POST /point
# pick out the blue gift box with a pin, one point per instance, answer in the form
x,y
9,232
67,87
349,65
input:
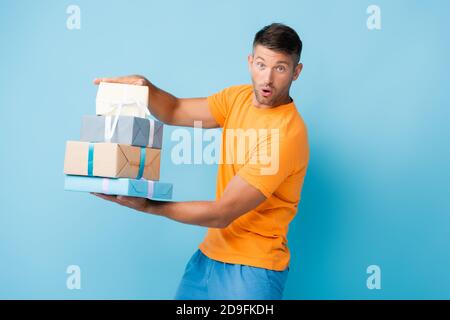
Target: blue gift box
x,y
120,186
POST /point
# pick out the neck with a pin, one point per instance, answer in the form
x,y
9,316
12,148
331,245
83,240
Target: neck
x,y
285,100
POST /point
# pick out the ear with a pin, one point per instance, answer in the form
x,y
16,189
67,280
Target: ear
x,y
297,71
250,62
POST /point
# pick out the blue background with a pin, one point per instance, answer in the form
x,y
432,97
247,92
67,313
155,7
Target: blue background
x,y
375,103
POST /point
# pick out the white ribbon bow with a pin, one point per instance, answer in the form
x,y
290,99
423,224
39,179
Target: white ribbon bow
x,y
118,107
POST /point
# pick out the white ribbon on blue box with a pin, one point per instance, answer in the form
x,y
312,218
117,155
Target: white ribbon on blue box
x,y
120,186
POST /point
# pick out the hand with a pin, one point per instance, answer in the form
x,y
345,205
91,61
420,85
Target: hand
x,y
132,79
140,204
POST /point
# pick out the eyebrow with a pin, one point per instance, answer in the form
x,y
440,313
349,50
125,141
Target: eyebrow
x,y
280,61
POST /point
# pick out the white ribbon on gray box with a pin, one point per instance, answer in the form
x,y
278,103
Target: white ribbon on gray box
x,y
117,106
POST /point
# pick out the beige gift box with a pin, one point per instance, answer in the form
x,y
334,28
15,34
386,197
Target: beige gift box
x,y
123,99
111,160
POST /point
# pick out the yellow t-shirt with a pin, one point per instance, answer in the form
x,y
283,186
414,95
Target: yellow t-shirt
x,y
259,237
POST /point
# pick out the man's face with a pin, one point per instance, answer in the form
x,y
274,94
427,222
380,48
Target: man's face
x,y
272,74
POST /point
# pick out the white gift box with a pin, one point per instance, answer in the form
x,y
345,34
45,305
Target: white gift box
x,y
122,99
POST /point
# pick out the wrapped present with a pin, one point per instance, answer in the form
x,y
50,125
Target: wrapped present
x,y
122,129
122,99
111,160
121,186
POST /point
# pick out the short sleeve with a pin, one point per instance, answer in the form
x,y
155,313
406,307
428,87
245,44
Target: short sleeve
x,y
268,166
221,103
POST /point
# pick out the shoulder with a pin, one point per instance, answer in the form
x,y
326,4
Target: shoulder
x,y
239,88
294,139
295,126
291,125
237,91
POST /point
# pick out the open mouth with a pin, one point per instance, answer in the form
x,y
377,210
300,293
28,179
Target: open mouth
x,y
266,92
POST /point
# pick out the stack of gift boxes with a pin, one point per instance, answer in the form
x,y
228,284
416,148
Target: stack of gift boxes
x,y
119,151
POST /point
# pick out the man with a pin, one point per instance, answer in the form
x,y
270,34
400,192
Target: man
x,y
244,254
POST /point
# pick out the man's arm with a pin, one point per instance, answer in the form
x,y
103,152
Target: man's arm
x,y
168,108
238,198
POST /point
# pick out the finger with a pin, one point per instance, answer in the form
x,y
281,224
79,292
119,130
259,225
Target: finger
x,y
110,80
140,82
97,81
135,80
133,202
106,196
98,194
129,201
128,198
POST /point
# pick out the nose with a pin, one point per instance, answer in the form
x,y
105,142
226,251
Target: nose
x,y
268,77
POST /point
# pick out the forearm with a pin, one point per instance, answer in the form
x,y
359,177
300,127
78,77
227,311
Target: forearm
x,y
161,103
202,213
238,198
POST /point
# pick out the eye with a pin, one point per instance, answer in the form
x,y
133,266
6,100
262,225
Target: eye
x,y
281,69
260,65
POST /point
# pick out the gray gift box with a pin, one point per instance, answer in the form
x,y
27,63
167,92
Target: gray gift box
x,y
128,130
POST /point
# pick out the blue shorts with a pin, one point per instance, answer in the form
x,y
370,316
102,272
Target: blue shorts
x,y
205,279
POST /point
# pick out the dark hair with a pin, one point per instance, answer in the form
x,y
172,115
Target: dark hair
x,y
279,37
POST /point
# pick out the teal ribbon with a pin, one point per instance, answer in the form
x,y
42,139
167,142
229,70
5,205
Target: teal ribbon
x,y
91,159
141,164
